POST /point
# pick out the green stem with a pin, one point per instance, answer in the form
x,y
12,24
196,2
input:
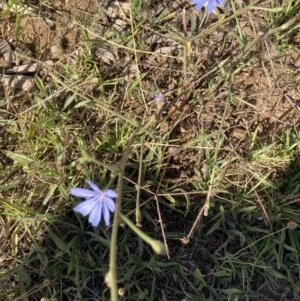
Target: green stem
x,y
138,194
111,276
156,245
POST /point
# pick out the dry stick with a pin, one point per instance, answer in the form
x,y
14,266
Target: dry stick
x,y
157,195
186,239
260,202
34,290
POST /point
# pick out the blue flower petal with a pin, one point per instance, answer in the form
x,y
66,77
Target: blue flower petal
x,y
95,215
212,4
159,98
82,192
94,186
86,207
199,3
110,204
106,215
98,203
110,193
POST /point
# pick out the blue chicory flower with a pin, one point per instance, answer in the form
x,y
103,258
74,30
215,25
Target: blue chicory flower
x,y
98,203
211,4
159,98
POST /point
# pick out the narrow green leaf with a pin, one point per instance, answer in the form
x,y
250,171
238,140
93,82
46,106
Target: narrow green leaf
x,y
39,83
232,291
14,243
20,158
274,273
17,24
221,274
60,154
59,243
31,133
240,234
290,248
127,275
49,194
23,276
9,206
247,209
13,184
68,101
170,198
63,192
199,278
74,253
3,297
215,226
293,236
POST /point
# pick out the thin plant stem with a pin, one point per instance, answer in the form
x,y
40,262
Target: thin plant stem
x,y
185,58
156,245
111,276
162,228
138,187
